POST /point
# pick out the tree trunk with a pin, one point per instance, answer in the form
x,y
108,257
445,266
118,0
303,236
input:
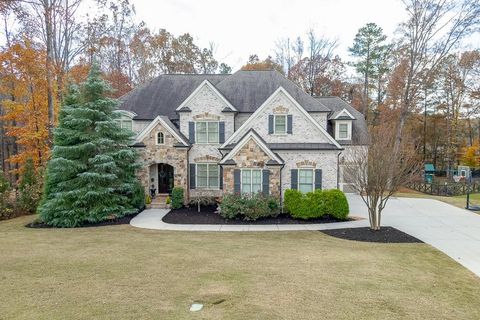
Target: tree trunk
x,y
48,7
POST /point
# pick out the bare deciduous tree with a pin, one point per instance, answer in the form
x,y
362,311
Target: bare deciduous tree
x,y
368,170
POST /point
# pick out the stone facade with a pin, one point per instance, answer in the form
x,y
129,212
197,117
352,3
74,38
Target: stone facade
x,y
303,129
325,160
206,105
154,154
251,156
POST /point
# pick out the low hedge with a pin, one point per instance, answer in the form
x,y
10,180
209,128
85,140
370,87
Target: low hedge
x,y
316,204
248,207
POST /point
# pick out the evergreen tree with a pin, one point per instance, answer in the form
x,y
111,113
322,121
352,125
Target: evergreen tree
x,y
29,187
371,51
91,176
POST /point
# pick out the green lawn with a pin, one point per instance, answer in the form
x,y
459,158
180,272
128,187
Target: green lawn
x,y
458,201
121,272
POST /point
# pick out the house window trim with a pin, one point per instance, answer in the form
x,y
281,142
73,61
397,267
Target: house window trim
x,y
156,138
124,119
207,121
208,176
349,130
313,178
275,124
251,180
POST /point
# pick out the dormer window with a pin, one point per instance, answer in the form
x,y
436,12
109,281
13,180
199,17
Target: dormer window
x,y
280,124
160,138
124,122
343,130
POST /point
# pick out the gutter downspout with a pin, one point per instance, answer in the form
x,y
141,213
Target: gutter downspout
x,y
338,170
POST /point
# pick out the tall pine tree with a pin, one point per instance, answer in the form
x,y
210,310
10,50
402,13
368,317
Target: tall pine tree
x,y
91,176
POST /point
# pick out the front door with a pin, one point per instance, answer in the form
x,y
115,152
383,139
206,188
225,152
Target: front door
x,y
165,178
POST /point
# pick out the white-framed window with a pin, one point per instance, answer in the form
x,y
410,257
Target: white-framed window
x,y
306,180
343,130
207,132
208,176
251,180
280,124
160,138
124,122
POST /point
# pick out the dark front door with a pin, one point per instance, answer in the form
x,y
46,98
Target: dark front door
x,y
165,178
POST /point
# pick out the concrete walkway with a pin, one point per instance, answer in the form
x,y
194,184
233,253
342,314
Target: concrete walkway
x,y
152,219
452,230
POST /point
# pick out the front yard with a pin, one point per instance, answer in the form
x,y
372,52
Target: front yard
x,y
120,272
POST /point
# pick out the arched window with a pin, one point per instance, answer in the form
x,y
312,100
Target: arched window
x,y
160,138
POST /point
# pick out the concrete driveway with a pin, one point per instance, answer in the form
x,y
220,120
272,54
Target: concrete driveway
x,y
452,230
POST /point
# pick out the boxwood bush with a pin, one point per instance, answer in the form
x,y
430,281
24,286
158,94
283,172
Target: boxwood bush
x,y
336,204
177,198
248,207
316,204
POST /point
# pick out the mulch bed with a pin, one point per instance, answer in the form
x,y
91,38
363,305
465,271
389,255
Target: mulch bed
x,y
384,235
124,220
207,215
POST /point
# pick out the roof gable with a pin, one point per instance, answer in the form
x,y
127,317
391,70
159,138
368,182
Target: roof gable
x,y
343,115
249,136
207,83
168,125
247,124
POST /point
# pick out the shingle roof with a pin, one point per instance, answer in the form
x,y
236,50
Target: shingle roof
x,y
174,128
245,90
359,126
162,95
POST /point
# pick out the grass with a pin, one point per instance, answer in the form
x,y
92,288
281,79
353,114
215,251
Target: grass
x,y
120,272
458,201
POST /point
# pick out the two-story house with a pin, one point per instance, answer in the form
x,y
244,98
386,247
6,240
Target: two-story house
x,y
251,131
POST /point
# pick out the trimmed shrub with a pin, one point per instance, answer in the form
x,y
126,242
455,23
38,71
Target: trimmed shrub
x,y
336,204
248,207
148,199
138,197
316,204
177,198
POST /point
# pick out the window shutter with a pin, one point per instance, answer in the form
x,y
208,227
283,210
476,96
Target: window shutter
x,y
266,182
294,179
289,124
191,132
192,175
221,132
318,179
270,124
220,169
236,181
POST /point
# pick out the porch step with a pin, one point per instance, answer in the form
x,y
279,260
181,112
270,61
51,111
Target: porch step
x,y
159,202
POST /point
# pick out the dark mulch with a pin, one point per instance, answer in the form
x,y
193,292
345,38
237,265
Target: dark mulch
x,y
112,222
384,235
207,215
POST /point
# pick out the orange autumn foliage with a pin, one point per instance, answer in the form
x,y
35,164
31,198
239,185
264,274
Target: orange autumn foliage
x,y
24,97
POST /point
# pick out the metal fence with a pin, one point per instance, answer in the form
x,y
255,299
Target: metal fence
x,y
448,189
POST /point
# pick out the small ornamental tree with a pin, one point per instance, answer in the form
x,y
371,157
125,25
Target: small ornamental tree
x,y
377,172
91,176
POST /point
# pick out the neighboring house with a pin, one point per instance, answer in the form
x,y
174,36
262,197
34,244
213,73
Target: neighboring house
x,y
252,131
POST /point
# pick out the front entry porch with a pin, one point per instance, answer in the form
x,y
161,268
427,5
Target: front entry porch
x,y
162,178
